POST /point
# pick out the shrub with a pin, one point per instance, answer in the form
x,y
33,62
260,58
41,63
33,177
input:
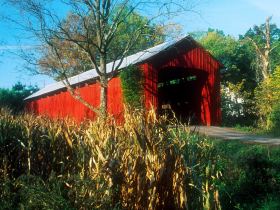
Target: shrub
x,y
268,103
273,121
251,175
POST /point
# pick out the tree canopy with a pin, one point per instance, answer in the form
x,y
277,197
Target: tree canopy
x,y
252,68
264,41
94,33
14,98
232,52
77,62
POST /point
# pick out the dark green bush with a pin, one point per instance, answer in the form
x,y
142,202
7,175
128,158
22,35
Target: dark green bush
x,y
274,121
14,97
251,175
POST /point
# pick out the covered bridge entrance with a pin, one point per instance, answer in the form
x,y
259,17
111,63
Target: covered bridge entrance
x,y
179,90
186,79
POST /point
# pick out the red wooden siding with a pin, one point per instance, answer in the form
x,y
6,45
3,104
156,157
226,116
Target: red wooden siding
x,y
187,54
63,104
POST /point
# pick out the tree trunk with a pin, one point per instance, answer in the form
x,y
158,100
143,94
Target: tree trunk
x,y
265,68
267,48
103,86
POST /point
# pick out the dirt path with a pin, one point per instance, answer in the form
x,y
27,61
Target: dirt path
x,y
225,133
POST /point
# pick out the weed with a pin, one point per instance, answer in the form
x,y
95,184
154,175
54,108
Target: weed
x,y
140,164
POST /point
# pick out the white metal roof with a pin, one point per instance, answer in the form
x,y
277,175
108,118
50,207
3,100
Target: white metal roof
x,y
130,60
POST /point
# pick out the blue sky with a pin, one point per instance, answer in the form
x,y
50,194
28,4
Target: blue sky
x,y
234,17
237,16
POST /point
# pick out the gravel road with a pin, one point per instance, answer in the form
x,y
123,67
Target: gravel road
x,y
229,134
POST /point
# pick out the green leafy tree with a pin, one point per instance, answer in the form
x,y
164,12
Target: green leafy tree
x,y
218,44
14,98
77,62
264,43
233,53
237,79
268,102
97,36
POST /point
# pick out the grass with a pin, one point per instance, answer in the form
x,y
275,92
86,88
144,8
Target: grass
x,y
251,177
140,164
255,130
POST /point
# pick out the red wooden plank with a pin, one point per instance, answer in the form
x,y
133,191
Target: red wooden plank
x,y
64,104
185,55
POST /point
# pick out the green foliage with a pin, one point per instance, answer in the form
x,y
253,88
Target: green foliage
x,y
238,76
233,53
130,21
200,154
14,98
132,84
260,39
149,37
236,104
243,66
268,103
273,120
250,175
247,129
220,46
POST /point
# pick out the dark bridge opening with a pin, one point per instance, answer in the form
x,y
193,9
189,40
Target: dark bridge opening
x,y
180,90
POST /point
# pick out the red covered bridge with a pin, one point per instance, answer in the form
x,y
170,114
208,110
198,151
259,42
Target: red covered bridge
x,y
179,74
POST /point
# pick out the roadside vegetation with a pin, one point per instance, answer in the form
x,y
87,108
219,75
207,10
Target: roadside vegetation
x,y
266,108
250,82
250,175
141,164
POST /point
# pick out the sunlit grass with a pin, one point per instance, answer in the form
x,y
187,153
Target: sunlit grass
x,y
143,163
255,130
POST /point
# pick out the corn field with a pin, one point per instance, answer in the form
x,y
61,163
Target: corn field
x,y
144,163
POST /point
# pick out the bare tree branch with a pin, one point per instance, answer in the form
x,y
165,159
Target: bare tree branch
x,y
267,49
95,34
